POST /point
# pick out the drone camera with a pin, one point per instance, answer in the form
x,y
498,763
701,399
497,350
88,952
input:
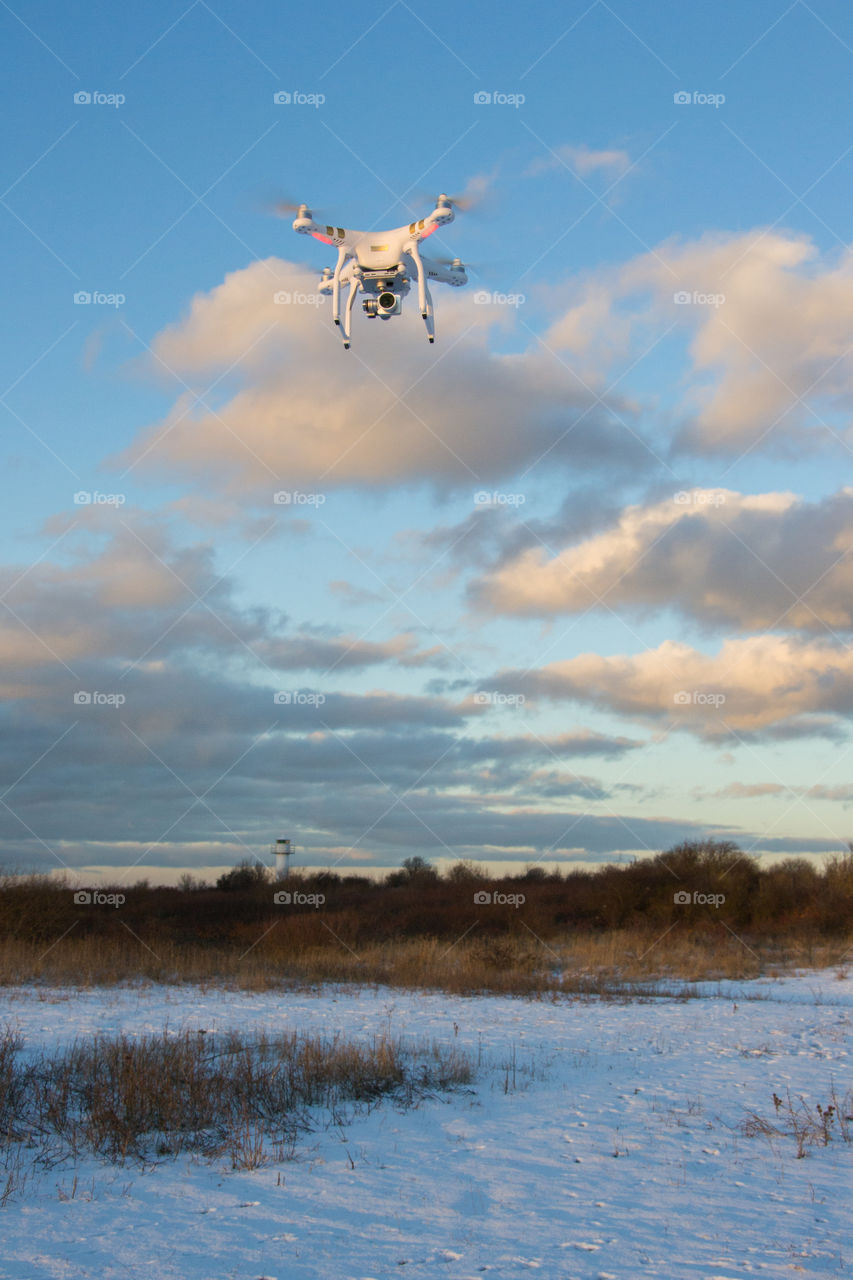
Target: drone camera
x,y
385,305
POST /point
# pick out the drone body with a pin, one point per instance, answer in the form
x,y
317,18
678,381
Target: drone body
x,y
383,265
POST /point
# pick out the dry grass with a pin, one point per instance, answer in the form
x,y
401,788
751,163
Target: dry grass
x,y
810,1125
608,963
155,1096
700,911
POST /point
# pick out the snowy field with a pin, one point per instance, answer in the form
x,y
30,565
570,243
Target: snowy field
x,y
614,1150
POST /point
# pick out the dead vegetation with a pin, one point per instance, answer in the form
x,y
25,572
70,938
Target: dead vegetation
x,y
246,1099
698,912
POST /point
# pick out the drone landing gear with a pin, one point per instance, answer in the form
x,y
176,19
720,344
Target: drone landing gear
x,y
336,285
424,297
428,314
347,325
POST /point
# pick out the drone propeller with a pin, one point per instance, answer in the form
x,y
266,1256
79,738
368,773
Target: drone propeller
x,y
474,195
479,268
282,207
462,202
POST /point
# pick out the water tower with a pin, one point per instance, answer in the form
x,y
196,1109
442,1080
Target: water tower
x,y
283,850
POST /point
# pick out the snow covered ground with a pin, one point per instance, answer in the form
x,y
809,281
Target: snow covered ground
x,y
613,1151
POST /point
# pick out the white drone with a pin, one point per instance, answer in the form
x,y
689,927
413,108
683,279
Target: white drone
x,y
383,264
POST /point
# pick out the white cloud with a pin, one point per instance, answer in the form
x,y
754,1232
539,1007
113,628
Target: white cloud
x,y
125,592
770,325
583,159
751,685
717,556
292,409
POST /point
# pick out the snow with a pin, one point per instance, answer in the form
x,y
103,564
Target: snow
x,y
598,1139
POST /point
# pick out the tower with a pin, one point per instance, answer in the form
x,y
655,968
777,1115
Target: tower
x,y
283,851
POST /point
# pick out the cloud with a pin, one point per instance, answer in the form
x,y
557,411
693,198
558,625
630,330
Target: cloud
x,y
147,716
753,685
289,409
125,594
582,159
195,767
716,556
768,321
759,790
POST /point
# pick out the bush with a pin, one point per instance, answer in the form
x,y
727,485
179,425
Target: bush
x,y
246,875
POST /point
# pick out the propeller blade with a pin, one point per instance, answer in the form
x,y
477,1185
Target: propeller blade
x,y
281,206
477,267
474,194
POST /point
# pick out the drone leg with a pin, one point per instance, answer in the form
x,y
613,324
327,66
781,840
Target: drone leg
x,y
429,315
423,293
353,290
336,285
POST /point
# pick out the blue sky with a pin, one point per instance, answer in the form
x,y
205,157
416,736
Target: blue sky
x,y
496,681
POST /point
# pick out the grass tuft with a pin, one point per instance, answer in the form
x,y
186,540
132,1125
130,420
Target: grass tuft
x,y
153,1097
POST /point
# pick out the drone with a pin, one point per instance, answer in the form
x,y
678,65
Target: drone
x,y
383,265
